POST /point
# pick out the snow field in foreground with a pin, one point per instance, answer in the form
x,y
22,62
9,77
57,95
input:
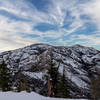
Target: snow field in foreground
x,y
26,96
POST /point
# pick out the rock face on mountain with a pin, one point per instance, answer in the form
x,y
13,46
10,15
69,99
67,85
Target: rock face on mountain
x,y
81,63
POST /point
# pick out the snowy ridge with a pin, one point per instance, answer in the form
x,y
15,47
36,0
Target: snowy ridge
x,y
81,63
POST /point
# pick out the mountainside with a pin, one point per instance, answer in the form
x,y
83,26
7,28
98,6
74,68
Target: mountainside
x,y
80,63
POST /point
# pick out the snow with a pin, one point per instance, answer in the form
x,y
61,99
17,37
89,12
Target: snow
x,y
38,75
27,96
74,59
76,79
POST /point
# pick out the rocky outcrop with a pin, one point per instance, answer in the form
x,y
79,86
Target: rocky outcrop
x,y
81,63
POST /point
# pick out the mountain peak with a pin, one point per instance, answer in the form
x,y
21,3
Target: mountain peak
x,y
32,62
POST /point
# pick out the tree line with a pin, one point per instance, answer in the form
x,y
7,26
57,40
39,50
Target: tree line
x,y
6,80
58,85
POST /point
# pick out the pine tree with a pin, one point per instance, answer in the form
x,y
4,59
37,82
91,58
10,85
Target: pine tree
x,y
95,88
63,87
20,86
26,84
58,85
23,85
5,77
53,73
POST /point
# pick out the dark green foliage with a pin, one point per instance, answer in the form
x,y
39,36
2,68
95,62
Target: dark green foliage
x,y
53,74
5,77
95,88
63,88
60,84
20,86
23,85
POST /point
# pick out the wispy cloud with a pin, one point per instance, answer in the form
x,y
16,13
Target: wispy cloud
x,y
59,22
92,9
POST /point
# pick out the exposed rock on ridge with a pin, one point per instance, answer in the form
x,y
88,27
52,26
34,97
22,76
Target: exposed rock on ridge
x,y
81,63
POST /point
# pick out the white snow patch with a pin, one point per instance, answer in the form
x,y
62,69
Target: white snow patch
x,y
26,96
38,75
76,79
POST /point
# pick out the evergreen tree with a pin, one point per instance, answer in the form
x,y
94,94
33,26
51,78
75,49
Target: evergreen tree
x,y
23,85
26,87
53,74
20,86
63,87
95,88
5,77
58,85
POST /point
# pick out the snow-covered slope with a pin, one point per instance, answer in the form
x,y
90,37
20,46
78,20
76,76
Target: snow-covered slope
x,y
26,96
81,63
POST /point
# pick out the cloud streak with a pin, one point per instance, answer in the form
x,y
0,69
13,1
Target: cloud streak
x,y
61,23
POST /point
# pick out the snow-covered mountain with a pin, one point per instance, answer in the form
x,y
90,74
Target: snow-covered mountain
x,y
81,63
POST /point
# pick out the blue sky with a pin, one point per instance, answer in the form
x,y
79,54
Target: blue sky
x,y
57,22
